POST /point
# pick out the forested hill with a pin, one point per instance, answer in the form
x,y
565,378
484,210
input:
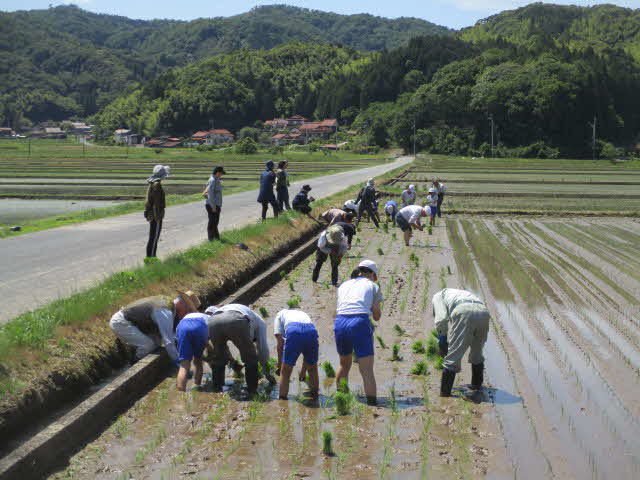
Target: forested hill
x,y
65,61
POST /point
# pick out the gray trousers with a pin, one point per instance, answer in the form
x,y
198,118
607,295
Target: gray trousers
x,y
468,329
231,326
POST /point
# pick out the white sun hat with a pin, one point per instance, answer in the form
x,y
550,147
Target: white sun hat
x,y
370,264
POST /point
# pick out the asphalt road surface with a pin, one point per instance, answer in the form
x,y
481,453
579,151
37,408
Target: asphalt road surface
x,y
40,267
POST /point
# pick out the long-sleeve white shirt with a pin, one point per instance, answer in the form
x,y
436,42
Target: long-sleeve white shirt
x,y
445,301
163,318
257,328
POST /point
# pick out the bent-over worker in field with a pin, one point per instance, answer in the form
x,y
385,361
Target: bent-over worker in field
x,y
358,299
296,335
408,196
301,202
391,209
349,230
213,204
149,323
332,244
192,334
334,215
248,332
351,206
408,218
462,322
154,206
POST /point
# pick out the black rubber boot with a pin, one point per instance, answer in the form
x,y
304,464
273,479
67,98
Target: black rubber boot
x,y
446,384
218,378
477,376
251,375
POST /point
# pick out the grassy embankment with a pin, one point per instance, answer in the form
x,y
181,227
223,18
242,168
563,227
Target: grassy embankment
x,y
69,340
60,170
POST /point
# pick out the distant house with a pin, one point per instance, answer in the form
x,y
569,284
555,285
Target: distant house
x,y
77,128
332,123
314,130
128,137
211,137
54,132
276,124
163,142
295,121
286,138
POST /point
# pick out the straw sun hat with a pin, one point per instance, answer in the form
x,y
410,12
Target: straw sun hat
x,y
190,298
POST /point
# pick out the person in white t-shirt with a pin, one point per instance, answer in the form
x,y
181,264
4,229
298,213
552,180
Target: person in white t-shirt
x,y
432,203
358,299
408,218
295,335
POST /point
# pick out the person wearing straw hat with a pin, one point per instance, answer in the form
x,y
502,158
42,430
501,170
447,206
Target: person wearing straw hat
x,y
359,299
154,206
213,205
408,196
266,196
332,243
462,322
150,322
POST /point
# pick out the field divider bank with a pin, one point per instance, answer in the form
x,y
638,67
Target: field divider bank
x,y
52,446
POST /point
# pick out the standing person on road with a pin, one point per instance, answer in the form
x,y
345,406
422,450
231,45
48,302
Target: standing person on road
x,y
296,334
332,244
358,298
282,186
391,210
246,330
150,322
301,202
367,203
440,190
408,218
432,203
408,196
266,196
154,206
213,205
462,322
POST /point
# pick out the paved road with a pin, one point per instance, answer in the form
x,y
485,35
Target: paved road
x,y
40,267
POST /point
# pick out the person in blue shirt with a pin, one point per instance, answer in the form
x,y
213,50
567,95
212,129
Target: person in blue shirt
x,y
391,208
266,196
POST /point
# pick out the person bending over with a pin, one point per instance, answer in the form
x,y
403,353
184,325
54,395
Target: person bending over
x,y
301,202
391,209
408,218
295,335
332,244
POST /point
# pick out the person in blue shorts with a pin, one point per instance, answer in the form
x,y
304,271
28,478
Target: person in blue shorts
x,y
296,335
358,299
192,334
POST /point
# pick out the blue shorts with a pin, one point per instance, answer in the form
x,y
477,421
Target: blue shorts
x,y
192,335
354,333
300,338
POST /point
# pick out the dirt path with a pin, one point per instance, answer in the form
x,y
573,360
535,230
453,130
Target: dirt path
x,y
411,434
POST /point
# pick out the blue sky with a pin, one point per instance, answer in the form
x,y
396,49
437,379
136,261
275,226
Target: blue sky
x,y
451,13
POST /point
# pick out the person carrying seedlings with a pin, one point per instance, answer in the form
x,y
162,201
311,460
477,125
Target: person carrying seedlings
x,y
149,323
432,203
462,322
332,244
440,190
301,202
408,218
334,215
213,205
282,185
408,196
351,206
358,299
295,335
391,209
154,206
367,203
248,332
266,196
349,230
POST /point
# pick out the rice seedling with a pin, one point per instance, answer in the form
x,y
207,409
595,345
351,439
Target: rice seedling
x,y
328,369
381,341
294,302
292,285
432,347
393,401
283,274
343,386
434,333
380,251
120,427
414,259
430,230
420,368
438,362
264,312
343,402
385,227
327,444
418,347
394,236
157,439
398,329
449,270
395,353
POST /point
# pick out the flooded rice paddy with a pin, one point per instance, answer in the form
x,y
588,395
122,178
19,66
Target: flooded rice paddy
x,y
14,210
562,397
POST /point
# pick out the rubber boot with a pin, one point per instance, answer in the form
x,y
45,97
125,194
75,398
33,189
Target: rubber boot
x,y
477,376
251,375
446,384
372,401
218,377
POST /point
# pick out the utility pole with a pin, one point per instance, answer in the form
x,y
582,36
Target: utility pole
x,y
491,120
414,138
593,136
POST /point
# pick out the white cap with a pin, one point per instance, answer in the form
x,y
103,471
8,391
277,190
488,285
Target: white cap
x,y
412,188
432,190
211,310
370,264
